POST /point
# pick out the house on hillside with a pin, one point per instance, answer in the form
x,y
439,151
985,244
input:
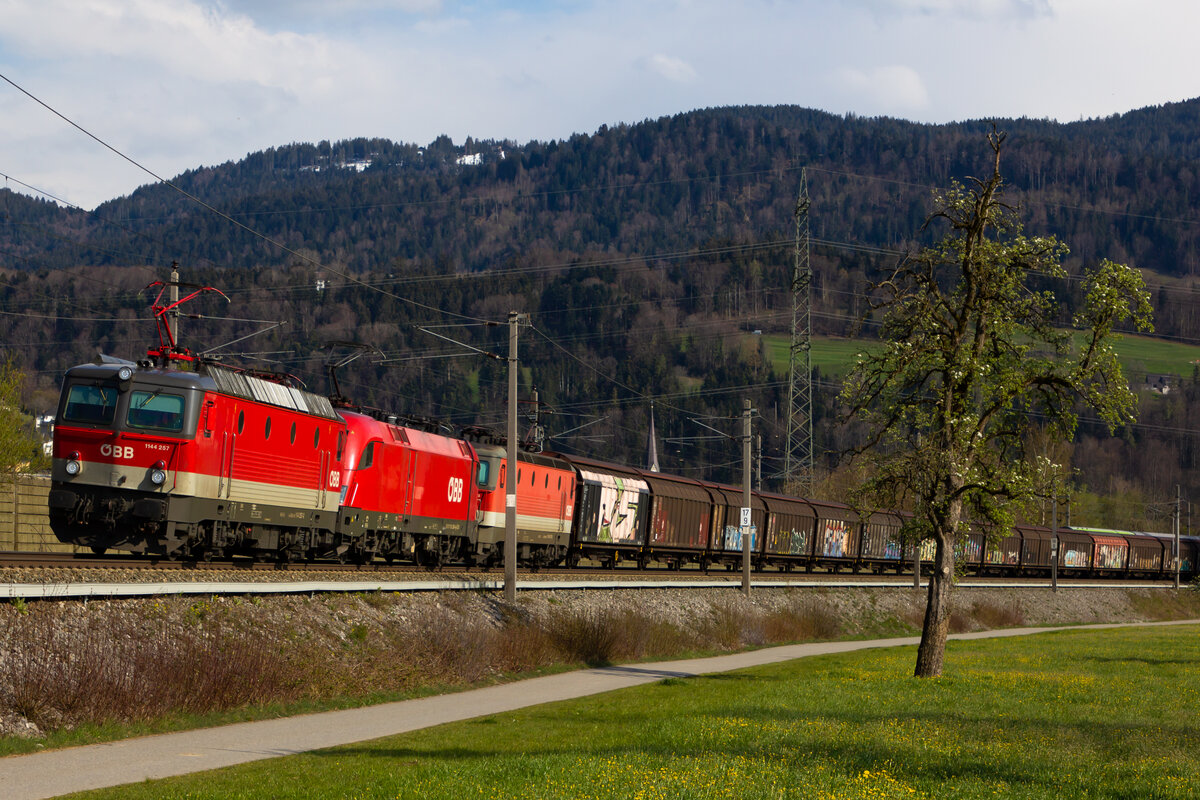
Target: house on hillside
x,y
1159,384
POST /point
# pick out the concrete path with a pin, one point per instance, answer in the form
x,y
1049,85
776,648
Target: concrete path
x,y
56,772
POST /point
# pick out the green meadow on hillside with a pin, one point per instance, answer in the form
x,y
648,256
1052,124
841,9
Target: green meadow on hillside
x,y
1140,355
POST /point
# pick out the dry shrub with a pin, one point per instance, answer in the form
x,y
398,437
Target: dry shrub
x,y
730,628
960,621
807,620
58,668
591,636
913,618
644,637
521,647
998,616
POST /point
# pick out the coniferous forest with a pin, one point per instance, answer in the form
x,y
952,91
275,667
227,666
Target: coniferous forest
x,y
654,261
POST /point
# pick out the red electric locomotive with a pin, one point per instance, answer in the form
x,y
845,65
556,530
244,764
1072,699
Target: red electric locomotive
x,y
545,505
179,457
185,464
406,493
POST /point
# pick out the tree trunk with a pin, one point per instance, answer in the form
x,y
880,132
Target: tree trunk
x,y
932,651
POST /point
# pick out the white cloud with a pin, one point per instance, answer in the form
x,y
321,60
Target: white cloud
x,y
166,37
671,68
894,89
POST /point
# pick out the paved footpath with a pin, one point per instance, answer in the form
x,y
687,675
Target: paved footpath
x,y
56,772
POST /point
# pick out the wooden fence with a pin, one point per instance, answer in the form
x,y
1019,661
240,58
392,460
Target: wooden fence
x,y
24,523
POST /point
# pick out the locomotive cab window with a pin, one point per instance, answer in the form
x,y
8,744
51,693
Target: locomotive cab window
x,y
155,411
92,405
490,474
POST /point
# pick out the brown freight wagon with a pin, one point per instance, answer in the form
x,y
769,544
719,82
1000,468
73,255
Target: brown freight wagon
x,y
1147,556
726,539
1036,550
881,547
1002,554
680,520
970,552
838,536
790,525
1075,550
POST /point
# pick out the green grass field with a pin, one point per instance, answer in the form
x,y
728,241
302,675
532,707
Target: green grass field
x,y
1139,355
1073,714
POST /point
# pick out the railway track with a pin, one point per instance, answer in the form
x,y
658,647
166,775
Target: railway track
x,y
65,568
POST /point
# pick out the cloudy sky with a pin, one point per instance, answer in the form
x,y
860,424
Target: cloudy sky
x,y
177,84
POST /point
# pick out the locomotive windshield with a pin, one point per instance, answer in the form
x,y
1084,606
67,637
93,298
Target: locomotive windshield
x,y
91,405
168,405
155,411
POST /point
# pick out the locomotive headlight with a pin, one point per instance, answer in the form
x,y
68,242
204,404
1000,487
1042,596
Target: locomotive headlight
x,y
124,373
158,473
72,467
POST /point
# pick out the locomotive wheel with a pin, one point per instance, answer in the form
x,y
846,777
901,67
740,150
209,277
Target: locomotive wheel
x,y
99,550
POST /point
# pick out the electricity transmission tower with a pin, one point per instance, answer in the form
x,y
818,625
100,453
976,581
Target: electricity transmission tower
x,y
798,458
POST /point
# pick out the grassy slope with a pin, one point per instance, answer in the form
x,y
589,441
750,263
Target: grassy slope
x,y
1139,355
1102,714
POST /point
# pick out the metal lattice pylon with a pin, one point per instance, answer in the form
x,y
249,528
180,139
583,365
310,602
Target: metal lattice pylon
x,y
798,458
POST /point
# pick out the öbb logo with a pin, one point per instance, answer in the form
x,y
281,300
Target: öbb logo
x,y
454,492
116,451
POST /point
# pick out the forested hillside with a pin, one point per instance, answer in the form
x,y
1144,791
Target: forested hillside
x,y
646,255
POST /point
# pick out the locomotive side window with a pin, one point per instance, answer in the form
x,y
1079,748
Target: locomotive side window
x,y
485,472
241,420
293,439
267,431
155,411
341,444
316,438
95,405
368,456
